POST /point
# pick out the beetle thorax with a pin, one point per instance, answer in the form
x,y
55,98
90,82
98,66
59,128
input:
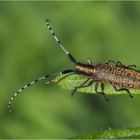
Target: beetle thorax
x,y
85,69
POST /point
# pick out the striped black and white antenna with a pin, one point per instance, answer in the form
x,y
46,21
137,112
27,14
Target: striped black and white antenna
x,y
59,43
23,88
34,82
46,76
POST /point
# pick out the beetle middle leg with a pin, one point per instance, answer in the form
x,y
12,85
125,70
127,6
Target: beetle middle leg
x,y
124,89
110,62
82,85
102,88
116,63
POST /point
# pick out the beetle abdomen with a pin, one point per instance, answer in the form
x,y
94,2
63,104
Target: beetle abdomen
x,y
118,76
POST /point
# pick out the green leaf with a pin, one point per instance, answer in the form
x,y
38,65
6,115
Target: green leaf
x,y
69,81
111,134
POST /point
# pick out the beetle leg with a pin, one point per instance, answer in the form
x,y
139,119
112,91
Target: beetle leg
x,y
102,88
89,61
131,66
82,86
117,63
124,66
124,89
110,61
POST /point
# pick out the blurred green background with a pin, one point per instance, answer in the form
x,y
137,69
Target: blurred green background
x,y
99,30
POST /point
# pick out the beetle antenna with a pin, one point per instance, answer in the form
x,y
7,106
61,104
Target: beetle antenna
x,y
23,88
59,43
32,83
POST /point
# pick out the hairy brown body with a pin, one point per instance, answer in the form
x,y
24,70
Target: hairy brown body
x,y
117,76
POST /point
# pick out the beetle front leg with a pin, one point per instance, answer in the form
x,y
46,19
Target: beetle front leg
x,y
82,86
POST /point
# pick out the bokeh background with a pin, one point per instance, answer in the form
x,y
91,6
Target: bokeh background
x,y
99,30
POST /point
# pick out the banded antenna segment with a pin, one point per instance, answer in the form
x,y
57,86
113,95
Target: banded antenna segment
x,y
26,86
59,43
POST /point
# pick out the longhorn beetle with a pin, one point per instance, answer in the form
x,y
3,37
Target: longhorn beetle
x,y
121,77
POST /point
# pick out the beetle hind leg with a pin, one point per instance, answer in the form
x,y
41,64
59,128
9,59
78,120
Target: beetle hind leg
x,y
124,89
